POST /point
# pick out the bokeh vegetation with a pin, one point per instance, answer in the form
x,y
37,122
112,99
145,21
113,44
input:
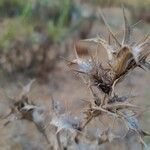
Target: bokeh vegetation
x,y
42,24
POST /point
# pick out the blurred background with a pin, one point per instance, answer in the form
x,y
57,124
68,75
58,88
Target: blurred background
x,y
35,35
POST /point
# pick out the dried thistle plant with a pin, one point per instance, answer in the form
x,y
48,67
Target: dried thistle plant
x,y
23,108
123,57
105,104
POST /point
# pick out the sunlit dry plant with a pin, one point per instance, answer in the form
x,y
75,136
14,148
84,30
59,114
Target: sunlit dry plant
x,y
123,57
110,108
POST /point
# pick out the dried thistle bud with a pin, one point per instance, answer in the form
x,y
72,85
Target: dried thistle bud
x,y
122,58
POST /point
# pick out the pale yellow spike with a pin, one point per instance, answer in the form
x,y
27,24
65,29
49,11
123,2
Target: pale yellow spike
x,y
109,30
127,29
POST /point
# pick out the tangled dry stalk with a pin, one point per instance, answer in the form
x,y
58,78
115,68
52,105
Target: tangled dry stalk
x,y
106,105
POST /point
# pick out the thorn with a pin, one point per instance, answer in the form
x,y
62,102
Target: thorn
x,y
127,30
109,30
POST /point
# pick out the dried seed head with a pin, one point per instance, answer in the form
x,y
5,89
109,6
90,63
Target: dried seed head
x,y
122,58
